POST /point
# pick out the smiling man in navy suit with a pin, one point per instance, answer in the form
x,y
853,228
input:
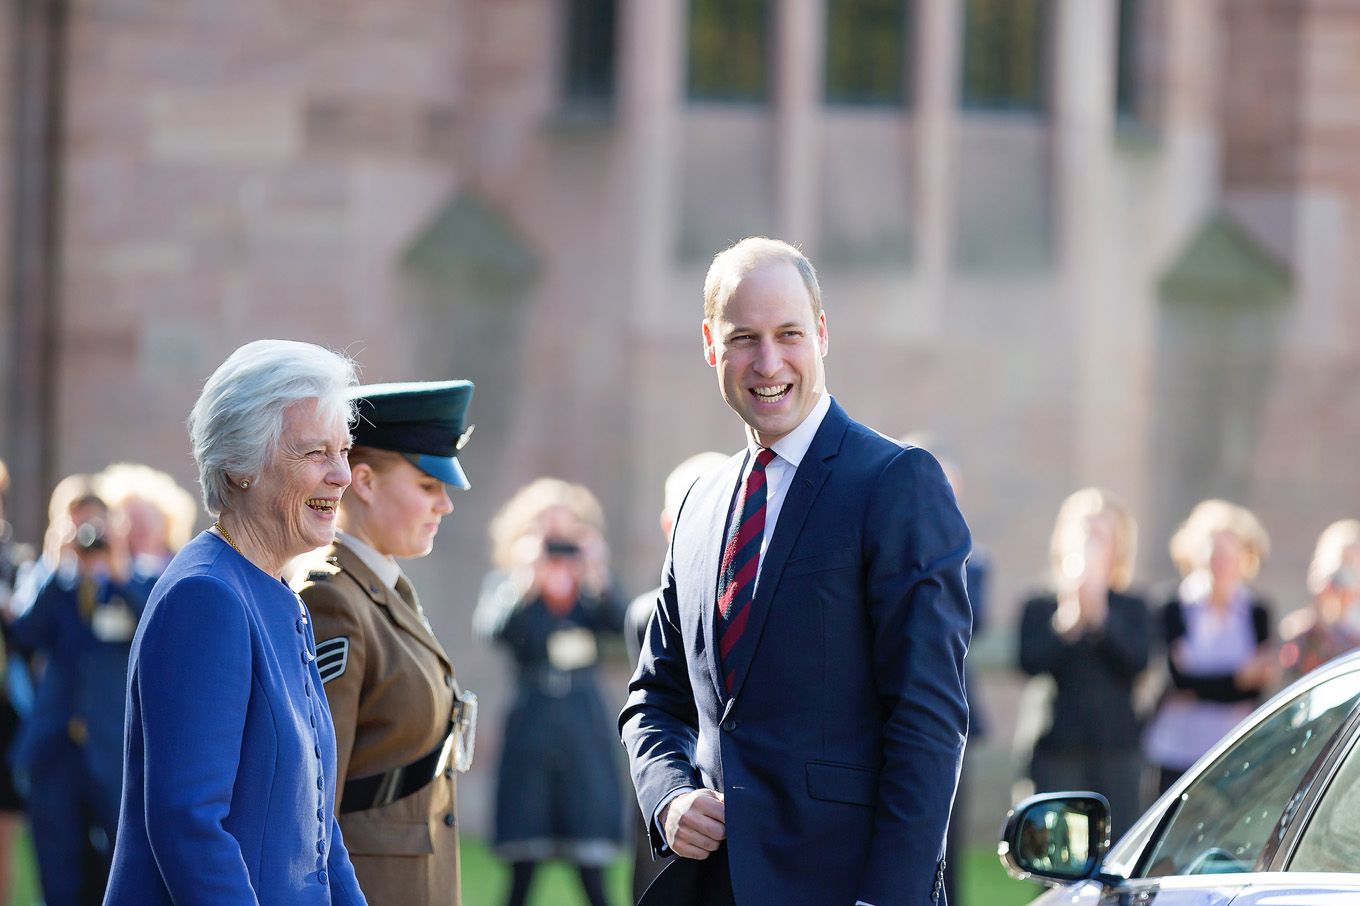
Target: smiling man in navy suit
x,y
797,718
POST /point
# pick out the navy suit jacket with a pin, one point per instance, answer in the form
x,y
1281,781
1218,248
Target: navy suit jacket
x,y
838,750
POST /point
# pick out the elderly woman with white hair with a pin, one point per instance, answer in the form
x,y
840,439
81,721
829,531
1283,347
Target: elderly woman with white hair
x,y
229,761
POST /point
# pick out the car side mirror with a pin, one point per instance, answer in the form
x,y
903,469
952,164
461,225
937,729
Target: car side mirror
x,y
1055,838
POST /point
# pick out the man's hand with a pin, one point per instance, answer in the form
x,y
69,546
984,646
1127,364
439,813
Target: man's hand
x,y
694,823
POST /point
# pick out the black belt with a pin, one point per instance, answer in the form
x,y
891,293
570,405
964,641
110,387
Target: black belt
x,y
365,793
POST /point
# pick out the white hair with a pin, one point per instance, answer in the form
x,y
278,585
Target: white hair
x,y
236,423
683,476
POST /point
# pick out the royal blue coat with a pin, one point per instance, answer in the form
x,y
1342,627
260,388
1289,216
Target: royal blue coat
x,y
229,759
838,747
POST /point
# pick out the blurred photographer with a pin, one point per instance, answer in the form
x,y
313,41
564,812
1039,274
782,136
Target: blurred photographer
x,y
1313,635
78,632
549,601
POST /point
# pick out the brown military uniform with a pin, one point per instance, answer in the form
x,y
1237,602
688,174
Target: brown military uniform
x,y
391,691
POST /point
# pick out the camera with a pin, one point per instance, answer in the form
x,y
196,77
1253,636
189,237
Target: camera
x,y
90,537
558,547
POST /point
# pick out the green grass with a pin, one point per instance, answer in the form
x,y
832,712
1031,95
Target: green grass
x,y
24,888
485,881
985,883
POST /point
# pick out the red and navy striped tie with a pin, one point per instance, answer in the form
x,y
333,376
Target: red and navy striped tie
x,y
740,560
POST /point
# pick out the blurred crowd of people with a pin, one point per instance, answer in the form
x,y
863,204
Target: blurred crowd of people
x,y
70,609
1128,688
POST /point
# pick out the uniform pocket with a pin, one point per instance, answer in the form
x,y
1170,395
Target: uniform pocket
x,y
385,838
842,783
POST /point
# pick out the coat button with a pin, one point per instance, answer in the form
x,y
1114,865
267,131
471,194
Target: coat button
x,y
449,820
319,784
321,847
321,876
730,725
302,624
321,815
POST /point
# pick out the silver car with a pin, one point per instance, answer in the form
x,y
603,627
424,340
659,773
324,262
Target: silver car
x,y
1268,817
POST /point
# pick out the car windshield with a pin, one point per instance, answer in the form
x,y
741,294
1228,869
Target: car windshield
x,y
1225,816
1331,842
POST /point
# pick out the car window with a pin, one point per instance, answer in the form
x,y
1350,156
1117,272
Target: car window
x,y
1331,842
1225,816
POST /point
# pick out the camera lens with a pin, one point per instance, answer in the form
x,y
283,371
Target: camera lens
x,y
555,547
90,537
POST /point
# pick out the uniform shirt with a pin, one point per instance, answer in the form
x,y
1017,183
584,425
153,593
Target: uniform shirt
x,y
383,566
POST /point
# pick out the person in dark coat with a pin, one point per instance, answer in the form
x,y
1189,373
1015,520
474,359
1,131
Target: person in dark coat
x,y
797,718
1092,637
557,791
69,752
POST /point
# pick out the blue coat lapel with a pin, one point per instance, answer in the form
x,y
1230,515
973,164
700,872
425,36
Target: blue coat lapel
x,y
807,482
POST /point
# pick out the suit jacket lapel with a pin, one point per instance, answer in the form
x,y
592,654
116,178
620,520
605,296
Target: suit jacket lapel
x,y
713,524
806,483
398,611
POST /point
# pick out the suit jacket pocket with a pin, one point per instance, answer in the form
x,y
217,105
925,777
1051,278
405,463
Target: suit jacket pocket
x,y
385,838
839,558
840,783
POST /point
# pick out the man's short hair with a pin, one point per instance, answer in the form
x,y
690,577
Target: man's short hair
x,y
732,264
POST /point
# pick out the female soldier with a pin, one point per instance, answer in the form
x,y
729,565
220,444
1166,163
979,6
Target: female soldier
x,y
388,680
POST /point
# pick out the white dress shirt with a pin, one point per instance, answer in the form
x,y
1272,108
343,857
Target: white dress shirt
x,y
789,451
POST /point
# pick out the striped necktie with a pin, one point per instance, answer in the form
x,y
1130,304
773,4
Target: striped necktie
x,y
740,561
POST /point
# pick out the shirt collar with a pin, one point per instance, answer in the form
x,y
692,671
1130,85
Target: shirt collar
x,y
385,568
792,447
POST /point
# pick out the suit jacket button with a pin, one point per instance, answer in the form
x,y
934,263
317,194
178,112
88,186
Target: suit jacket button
x,y
449,820
730,725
